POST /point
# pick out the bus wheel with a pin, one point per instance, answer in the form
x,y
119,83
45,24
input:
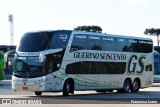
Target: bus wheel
x,y
126,86
135,86
38,93
66,88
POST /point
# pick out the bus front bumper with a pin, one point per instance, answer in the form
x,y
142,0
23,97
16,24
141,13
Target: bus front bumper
x,y
28,84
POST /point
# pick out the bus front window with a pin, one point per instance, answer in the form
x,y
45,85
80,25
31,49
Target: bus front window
x,y
27,67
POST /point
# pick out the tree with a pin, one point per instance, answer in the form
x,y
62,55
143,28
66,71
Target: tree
x,y
92,28
154,32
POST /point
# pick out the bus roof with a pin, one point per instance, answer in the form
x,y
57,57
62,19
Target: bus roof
x,y
94,33
113,35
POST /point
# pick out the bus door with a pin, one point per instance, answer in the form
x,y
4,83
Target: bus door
x,y
53,63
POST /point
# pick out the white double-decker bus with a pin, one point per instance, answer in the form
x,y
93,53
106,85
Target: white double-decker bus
x,y
67,61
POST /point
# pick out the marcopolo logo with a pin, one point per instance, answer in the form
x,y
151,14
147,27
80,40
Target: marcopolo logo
x,y
28,53
134,62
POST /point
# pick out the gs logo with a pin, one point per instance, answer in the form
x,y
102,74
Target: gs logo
x,y
134,61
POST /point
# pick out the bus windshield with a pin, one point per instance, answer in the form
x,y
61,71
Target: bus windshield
x,y
34,42
40,41
27,67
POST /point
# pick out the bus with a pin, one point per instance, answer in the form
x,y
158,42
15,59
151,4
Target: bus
x,y
67,61
1,65
7,66
156,67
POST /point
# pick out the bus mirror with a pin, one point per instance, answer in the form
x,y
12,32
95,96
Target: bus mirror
x,y
41,57
8,53
5,57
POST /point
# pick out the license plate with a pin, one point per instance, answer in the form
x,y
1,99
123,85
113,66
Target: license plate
x,y
24,88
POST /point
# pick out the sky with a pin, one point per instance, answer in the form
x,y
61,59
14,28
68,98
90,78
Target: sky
x,y
122,17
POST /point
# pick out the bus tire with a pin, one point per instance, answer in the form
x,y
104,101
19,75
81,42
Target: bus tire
x,y
119,90
126,86
135,86
38,93
66,88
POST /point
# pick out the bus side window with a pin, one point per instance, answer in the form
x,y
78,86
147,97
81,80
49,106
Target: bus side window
x,y
132,45
79,43
94,43
48,66
108,43
121,44
59,40
56,62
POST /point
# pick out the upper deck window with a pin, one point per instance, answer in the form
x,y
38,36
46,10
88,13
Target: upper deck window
x,y
141,46
40,41
94,42
121,44
60,39
79,43
110,43
34,42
